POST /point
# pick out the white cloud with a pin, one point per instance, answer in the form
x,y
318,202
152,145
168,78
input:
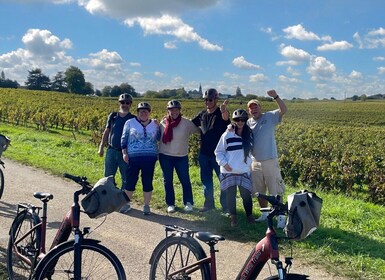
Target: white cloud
x,y
103,60
379,58
231,75
138,8
372,40
299,32
355,75
170,45
172,26
320,68
294,54
135,64
241,62
257,78
286,79
159,74
381,70
336,46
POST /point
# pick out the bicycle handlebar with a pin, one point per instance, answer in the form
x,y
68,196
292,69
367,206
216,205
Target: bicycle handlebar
x,y
77,179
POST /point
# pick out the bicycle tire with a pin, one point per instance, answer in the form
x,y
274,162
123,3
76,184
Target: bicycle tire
x,y
1,183
290,276
98,262
175,252
28,247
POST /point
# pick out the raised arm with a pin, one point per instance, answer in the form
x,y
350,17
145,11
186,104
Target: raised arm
x,y
281,105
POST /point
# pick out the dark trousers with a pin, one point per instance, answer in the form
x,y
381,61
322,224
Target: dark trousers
x,y
231,196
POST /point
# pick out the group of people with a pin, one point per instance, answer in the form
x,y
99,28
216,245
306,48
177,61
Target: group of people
x,y
241,153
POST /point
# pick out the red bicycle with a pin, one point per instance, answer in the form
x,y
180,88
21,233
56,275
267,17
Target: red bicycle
x,y
180,256
79,258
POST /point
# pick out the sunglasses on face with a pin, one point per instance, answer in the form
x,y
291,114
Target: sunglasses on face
x,y
240,120
209,100
125,102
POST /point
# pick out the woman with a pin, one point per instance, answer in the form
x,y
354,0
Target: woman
x,y
140,152
233,156
173,154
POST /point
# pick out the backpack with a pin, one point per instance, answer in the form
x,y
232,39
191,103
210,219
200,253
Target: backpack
x,y
304,211
104,198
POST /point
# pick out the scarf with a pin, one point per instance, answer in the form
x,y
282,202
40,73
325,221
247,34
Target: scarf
x,y
170,124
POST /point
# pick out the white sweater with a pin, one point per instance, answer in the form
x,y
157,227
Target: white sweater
x,y
230,151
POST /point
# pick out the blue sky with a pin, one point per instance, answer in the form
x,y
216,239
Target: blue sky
x,y
301,48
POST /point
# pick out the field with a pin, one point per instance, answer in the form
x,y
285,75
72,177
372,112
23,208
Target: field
x,y
333,147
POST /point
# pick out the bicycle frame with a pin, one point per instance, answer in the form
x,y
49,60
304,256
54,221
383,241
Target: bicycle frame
x,y
70,221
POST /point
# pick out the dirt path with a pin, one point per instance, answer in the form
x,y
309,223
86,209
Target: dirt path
x,y
131,237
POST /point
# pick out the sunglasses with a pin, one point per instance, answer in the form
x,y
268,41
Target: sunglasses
x,y
209,100
125,102
240,120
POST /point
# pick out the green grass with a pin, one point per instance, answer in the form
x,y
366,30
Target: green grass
x,y
350,241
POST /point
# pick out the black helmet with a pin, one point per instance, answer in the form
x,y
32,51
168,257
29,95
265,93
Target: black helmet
x,y
240,114
211,93
125,97
144,105
174,104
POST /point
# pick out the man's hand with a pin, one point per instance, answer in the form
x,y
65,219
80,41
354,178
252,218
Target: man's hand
x,y
272,93
228,168
224,106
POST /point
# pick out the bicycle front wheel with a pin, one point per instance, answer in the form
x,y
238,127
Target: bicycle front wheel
x,y
23,247
97,263
1,183
173,255
290,276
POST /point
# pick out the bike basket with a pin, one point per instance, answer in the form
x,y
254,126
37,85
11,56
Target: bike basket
x,y
104,198
304,211
4,143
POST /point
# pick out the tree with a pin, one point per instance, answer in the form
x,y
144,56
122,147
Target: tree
x,y
126,88
37,80
116,91
75,80
59,82
106,91
89,88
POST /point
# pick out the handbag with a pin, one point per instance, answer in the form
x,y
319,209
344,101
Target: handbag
x,y
304,211
104,198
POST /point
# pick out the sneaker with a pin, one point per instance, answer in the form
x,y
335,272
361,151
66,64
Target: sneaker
x,y
281,221
125,208
171,209
262,218
146,209
233,220
188,207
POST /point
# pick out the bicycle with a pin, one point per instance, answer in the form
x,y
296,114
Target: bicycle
x,y
180,256
78,258
4,143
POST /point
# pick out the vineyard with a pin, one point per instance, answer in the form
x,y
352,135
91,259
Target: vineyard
x,y
332,145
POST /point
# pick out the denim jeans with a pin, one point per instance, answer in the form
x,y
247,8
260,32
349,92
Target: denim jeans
x,y
180,164
208,164
113,161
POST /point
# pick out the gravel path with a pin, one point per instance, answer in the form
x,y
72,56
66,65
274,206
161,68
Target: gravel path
x,y
132,237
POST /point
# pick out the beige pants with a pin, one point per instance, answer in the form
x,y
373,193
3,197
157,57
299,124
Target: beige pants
x,y
266,176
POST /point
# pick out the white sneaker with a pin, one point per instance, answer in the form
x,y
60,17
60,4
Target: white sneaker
x,y
281,221
262,218
188,207
171,209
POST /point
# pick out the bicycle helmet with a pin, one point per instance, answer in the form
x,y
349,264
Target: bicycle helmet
x,y
174,104
240,114
125,97
144,105
211,93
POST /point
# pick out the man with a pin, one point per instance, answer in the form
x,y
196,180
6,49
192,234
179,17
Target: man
x,y
213,122
265,171
111,138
